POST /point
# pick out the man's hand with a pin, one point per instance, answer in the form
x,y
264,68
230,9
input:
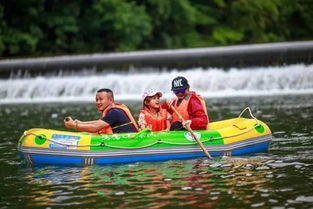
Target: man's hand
x,y
69,122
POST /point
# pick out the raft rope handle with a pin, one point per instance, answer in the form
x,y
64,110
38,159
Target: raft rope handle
x,y
86,145
101,144
159,141
153,143
148,145
250,112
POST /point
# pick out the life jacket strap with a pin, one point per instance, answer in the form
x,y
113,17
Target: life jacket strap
x,y
124,124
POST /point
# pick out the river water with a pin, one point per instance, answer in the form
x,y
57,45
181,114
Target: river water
x,y
281,178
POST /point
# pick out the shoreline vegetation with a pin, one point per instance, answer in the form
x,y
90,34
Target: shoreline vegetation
x,y
37,28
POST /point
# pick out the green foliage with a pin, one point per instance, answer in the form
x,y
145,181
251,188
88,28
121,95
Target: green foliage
x,y
59,23
18,42
173,22
2,26
226,36
42,27
127,23
295,21
19,36
256,18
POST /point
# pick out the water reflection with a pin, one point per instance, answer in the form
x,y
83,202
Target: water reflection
x,y
252,181
140,183
249,181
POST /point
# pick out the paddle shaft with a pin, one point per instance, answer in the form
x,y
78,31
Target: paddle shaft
x,y
193,134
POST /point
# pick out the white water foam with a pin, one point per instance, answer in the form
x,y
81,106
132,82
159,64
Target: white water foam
x,y
209,82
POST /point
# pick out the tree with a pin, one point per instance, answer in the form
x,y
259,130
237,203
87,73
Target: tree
x,y
19,32
295,20
256,19
173,23
59,22
2,28
43,27
124,25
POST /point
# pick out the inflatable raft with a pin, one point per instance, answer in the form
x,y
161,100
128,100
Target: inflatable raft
x,y
237,136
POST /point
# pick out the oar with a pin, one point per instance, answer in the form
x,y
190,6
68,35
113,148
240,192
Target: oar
x,y
192,133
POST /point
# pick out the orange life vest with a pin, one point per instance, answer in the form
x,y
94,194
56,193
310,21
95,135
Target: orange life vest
x,y
158,123
182,108
109,129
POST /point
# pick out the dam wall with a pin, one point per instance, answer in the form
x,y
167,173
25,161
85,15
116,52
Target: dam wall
x,y
222,57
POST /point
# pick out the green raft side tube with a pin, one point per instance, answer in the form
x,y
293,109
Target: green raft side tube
x,y
145,139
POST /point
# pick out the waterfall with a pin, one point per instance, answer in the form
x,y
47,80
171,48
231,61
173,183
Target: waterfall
x,y
129,85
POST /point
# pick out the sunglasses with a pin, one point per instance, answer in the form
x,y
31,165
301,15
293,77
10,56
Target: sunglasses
x,y
177,91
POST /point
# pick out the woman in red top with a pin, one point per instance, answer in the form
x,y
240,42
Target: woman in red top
x,y
153,116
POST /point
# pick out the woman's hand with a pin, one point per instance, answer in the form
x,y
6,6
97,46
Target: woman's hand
x,y
170,103
186,124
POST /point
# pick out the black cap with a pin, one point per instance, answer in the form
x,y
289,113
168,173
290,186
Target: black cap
x,y
179,83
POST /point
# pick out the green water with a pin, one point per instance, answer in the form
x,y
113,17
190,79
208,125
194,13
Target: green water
x,y
281,178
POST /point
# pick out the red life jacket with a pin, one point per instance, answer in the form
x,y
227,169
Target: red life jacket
x,y
182,108
158,123
108,129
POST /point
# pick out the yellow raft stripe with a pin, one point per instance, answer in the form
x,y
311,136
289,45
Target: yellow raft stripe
x,y
84,142
242,129
30,141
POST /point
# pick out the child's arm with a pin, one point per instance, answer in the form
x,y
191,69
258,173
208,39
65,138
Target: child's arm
x,y
141,121
168,122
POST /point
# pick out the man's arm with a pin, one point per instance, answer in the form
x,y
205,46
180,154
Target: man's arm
x,y
87,122
87,126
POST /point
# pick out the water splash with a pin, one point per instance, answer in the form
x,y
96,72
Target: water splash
x,y
209,82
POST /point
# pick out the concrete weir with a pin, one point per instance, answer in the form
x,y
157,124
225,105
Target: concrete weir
x,y
222,57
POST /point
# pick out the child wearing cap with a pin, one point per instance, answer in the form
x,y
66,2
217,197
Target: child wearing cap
x,y
152,116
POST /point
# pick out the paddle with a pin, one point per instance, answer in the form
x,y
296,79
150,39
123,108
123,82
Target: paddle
x,y
192,133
